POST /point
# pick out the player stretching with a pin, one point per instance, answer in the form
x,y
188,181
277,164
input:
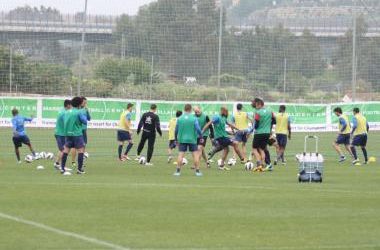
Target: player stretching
x,y
343,134
172,126
360,130
60,132
74,120
149,123
264,120
241,119
19,133
283,133
124,132
202,121
186,133
221,135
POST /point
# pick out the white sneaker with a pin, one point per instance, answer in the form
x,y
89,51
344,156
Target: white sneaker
x,y
148,164
57,166
19,162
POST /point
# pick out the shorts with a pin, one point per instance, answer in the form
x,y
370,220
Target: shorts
x,y
84,132
260,141
61,140
183,147
18,141
203,144
241,137
123,136
172,144
360,140
76,142
224,142
343,139
282,140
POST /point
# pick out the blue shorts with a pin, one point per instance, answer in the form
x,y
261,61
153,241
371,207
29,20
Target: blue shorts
x,y
61,140
360,140
282,140
84,132
19,140
74,142
343,139
172,144
241,137
123,136
183,147
224,142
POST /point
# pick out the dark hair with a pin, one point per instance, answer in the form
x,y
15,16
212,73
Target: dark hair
x,y
338,110
282,108
153,107
259,101
188,107
76,102
239,106
356,110
83,98
66,103
130,105
14,112
178,113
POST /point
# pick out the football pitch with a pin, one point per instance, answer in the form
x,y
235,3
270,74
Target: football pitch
x,y
130,206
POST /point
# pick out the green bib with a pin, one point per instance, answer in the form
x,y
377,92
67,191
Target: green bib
x,y
73,126
220,127
265,122
186,129
202,123
60,123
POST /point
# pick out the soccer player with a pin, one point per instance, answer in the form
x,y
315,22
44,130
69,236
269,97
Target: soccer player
x,y
264,120
73,124
283,133
221,135
241,120
19,133
186,133
60,132
124,132
172,126
149,123
202,121
343,134
360,130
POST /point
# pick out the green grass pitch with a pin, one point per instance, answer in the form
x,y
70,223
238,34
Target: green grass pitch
x,y
129,206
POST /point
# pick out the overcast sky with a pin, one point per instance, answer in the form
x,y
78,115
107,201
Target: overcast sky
x,y
107,7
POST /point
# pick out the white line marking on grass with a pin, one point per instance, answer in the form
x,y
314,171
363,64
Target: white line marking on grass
x,y
64,233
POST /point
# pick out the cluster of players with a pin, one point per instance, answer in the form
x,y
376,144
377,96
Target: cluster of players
x,y
189,131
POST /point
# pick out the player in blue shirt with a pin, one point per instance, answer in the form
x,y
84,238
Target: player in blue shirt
x,y
19,133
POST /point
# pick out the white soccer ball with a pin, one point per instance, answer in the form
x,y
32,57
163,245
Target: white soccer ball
x,y
29,158
184,161
231,162
86,155
249,166
42,155
142,160
66,173
220,163
40,167
49,156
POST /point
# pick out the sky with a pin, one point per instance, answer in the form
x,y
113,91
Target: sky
x,y
106,7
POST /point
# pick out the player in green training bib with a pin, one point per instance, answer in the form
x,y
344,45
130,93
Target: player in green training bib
x,y
203,120
187,132
60,132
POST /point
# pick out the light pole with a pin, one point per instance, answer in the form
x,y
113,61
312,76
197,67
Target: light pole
x,y
81,48
354,55
10,68
220,46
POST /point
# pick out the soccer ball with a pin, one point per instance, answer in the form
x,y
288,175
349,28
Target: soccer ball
x,y
40,167
29,158
220,163
184,161
231,162
49,156
86,155
249,166
42,155
142,160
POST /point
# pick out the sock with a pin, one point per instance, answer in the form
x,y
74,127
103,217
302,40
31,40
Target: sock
x,y
178,170
258,163
34,153
282,157
18,156
57,163
120,149
197,170
64,159
267,157
354,153
129,147
364,150
80,161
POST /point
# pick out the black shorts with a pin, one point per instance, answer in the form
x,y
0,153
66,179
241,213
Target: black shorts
x,y
360,140
282,140
199,143
19,140
123,136
260,141
61,141
172,144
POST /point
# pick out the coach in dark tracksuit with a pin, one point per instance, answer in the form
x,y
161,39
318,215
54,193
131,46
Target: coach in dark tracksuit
x,y
149,123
